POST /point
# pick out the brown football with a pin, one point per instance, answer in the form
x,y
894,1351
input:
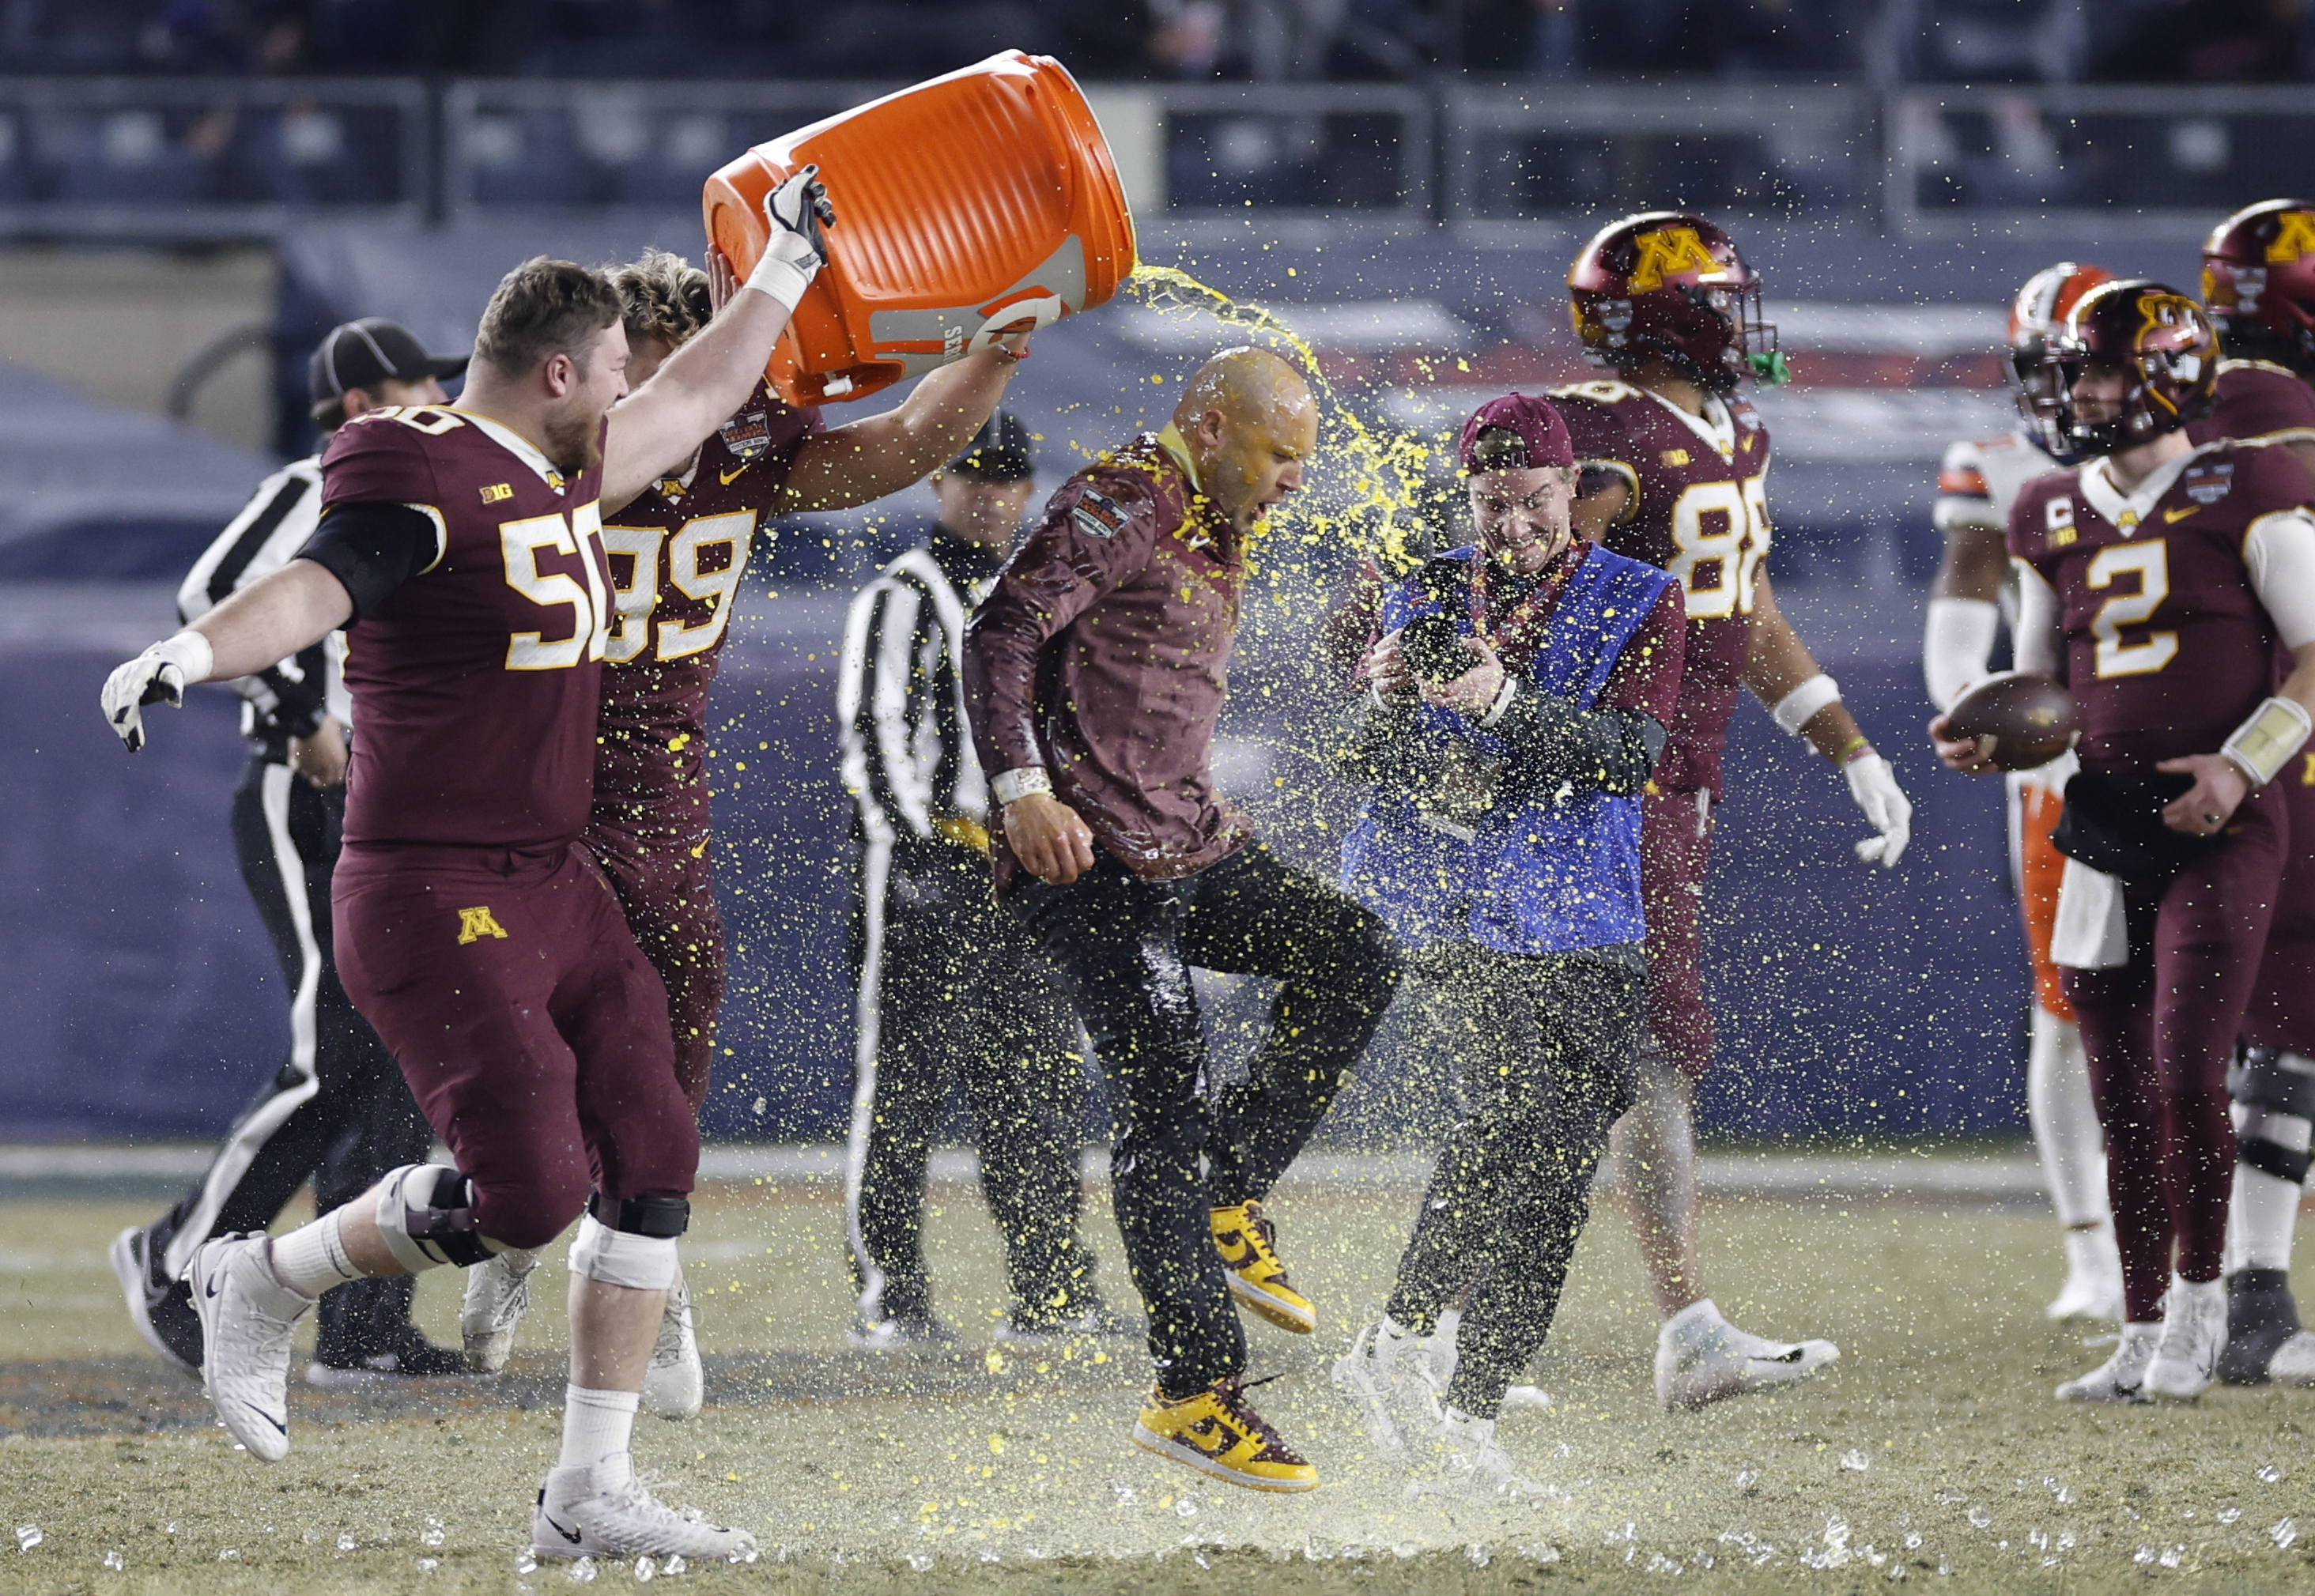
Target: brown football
x,y
2026,718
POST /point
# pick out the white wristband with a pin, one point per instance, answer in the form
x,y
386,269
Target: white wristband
x,y
1011,785
190,652
780,280
2263,745
1503,700
1796,708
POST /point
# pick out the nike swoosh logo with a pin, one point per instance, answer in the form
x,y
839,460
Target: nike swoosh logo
x,y
2176,516
725,477
210,1290
280,1425
570,1535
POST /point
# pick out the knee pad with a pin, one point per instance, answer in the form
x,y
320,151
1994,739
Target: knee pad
x,y
623,1257
426,1215
2275,1112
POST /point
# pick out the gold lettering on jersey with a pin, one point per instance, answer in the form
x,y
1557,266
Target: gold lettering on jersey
x,y
497,492
2150,562
2294,235
1720,530
2058,520
1670,250
1675,458
520,544
475,924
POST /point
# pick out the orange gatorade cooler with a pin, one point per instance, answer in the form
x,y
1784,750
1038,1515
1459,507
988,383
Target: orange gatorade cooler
x,y
976,204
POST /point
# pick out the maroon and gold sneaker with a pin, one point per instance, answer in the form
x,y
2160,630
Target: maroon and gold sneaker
x,y
1247,1241
1215,1431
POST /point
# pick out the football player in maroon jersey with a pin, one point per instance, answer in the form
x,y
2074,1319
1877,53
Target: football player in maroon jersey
x,y
2259,284
677,554
1675,469
463,547
2157,582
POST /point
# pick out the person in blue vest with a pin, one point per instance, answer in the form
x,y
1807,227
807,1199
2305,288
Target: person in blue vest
x,y
1516,699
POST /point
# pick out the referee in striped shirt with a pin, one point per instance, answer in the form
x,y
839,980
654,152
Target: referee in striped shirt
x,y
941,995
337,1110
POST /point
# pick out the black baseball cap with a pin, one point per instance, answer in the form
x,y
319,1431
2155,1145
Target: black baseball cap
x,y
1000,451
364,354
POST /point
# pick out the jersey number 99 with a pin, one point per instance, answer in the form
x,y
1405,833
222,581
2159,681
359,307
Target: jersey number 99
x,y
703,562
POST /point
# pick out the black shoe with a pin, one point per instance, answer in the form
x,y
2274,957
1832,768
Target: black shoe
x,y
2261,1316
365,1333
161,1309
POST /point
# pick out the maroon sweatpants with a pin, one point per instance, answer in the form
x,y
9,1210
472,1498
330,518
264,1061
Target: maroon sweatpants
x,y
1675,852
667,888
532,1031
2159,1033
2282,1006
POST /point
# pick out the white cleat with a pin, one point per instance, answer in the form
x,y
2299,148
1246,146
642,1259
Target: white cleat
x,y
1388,1378
608,1510
1475,1464
1527,1400
248,1318
2122,1377
2293,1363
2093,1288
498,1294
2194,1333
1701,1357
674,1384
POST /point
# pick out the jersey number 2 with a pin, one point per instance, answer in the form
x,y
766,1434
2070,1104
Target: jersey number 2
x,y
1721,531
2150,562
686,554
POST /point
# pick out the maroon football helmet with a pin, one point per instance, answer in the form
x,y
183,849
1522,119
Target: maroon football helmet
x,y
2163,343
2258,280
1669,284
2038,315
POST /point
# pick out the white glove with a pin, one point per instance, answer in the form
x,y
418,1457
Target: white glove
x,y
794,254
160,675
1874,786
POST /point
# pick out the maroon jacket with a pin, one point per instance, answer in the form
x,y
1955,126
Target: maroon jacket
x,y
1102,656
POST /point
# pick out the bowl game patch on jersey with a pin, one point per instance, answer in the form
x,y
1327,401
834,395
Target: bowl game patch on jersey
x,y
1096,514
2206,482
747,434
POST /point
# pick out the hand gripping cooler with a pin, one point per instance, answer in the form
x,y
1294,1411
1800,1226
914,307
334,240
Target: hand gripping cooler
x,y
966,207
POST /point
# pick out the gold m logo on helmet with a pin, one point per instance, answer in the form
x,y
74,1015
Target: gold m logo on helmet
x,y
2294,235
475,924
1669,250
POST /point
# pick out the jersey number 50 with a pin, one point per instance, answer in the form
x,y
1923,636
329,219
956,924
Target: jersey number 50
x,y
520,543
1720,530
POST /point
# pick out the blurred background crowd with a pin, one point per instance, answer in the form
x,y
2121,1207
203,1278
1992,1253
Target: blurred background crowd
x,y
1260,41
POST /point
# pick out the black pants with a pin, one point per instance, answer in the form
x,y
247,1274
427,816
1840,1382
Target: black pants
x,y
337,1110
1545,1067
1125,947
952,991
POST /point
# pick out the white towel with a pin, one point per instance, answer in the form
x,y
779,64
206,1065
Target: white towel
x,y
2090,933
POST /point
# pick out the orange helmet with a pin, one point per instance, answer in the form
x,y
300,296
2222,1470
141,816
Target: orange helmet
x,y
2036,316
2160,340
1669,285
2258,280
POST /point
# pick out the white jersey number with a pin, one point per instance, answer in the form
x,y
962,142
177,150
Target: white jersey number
x,y
579,534
2151,564
705,561
1721,531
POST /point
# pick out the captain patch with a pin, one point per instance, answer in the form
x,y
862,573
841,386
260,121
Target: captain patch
x,y
1097,515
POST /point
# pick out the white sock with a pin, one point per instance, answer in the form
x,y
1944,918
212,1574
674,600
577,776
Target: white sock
x,y
595,1425
2262,1218
2065,1120
312,1258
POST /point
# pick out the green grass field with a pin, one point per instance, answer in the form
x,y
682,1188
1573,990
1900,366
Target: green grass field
x,y
1932,1452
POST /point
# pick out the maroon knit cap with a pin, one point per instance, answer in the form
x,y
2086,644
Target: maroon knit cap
x,y
1535,421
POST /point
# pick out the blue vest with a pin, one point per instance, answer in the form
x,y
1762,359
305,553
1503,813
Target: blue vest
x,y
1547,871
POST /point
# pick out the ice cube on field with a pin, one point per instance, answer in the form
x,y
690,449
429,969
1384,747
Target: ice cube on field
x,y
2272,1474
674,1566
346,1541
1478,1555
526,1563
2172,1555
646,1569
1746,1479
230,1554
1913,1541
581,1572
1855,1460
2228,1515
115,1561
1659,1563
1542,1551
2284,1533
2143,1555
28,1536
920,1563
428,1565
1979,1519
1187,1508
